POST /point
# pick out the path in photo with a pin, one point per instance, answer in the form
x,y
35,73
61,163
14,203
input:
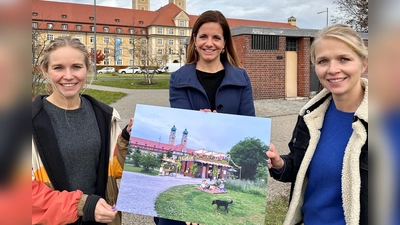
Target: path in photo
x,y
148,188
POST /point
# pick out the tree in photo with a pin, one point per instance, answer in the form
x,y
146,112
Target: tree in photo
x,y
248,153
148,162
136,156
353,13
160,158
169,154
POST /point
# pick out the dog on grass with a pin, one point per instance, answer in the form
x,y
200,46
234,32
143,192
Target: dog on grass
x,y
222,203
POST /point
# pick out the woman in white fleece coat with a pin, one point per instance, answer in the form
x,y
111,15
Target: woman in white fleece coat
x,y
328,160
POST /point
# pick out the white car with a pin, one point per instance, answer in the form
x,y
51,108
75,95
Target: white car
x,y
130,70
106,70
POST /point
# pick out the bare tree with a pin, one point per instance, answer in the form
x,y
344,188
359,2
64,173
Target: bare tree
x,y
353,13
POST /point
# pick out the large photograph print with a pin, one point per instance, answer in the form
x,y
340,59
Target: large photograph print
x,y
187,165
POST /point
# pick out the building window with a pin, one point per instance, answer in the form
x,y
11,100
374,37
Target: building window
x,y
142,8
78,27
291,44
35,36
143,41
159,41
143,62
79,38
63,16
119,30
91,18
159,63
182,32
171,42
131,62
91,40
34,25
181,23
131,51
171,31
265,42
171,51
143,31
143,52
106,40
141,22
159,51
120,51
131,31
35,14
49,26
159,30
131,41
50,37
106,50
92,28
116,20
64,26
105,29
106,62
119,62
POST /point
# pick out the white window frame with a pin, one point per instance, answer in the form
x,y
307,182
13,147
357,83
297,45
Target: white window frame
x,y
131,52
34,25
120,62
108,40
106,50
131,31
106,29
181,23
50,37
182,32
50,26
131,62
79,27
144,41
106,62
171,42
159,30
64,26
159,41
80,38
92,28
159,51
119,30
131,40
171,31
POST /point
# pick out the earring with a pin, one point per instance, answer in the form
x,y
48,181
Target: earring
x,y
195,48
223,51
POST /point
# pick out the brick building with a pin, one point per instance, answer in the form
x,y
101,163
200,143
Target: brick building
x,y
278,60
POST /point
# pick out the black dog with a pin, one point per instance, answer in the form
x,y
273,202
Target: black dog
x,y
222,203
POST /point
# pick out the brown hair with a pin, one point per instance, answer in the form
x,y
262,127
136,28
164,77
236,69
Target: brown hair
x,y
217,17
62,42
344,33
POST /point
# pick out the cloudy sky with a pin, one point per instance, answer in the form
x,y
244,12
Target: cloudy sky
x,y
211,131
267,10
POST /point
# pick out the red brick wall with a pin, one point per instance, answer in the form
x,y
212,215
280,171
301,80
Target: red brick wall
x,y
303,67
266,72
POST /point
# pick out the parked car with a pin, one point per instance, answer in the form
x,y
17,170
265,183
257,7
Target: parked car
x,y
163,69
130,70
149,70
106,70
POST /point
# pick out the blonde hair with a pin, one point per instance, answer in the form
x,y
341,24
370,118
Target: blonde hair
x,y
344,33
213,16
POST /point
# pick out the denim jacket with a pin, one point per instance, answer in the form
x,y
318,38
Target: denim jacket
x,y
302,146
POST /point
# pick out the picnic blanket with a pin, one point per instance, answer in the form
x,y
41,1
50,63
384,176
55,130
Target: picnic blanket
x,y
213,191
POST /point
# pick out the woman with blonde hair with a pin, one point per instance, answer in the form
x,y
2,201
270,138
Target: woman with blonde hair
x,y
78,148
328,160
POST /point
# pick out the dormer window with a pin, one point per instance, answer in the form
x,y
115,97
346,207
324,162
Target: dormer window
x,y
63,16
141,22
35,14
116,20
91,18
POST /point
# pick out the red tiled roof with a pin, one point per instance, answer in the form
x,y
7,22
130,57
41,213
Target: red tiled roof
x,y
49,11
156,144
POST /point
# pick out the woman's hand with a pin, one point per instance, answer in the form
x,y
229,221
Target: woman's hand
x,y
104,213
274,159
207,110
129,127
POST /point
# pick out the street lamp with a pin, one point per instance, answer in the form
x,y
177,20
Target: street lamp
x,y
95,50
325,11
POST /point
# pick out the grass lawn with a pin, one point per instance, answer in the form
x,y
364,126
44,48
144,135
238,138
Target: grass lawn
x,y
129,75
107,97
131,168
134,84
246,208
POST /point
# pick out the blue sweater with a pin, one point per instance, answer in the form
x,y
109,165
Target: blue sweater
x,y
392,126
322,199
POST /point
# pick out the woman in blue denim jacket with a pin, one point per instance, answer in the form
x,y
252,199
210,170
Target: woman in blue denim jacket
x,y
328,160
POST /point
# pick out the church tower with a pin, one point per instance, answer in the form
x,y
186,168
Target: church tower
x,y
184,137
180,3
172,136
141,4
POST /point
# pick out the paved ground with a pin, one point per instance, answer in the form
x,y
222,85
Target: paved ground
x,y
149,185
283,113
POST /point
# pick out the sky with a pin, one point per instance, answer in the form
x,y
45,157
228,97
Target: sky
x,y
266,10
211,131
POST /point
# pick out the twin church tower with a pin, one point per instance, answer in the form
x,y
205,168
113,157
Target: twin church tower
x,y
145,4
173,133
